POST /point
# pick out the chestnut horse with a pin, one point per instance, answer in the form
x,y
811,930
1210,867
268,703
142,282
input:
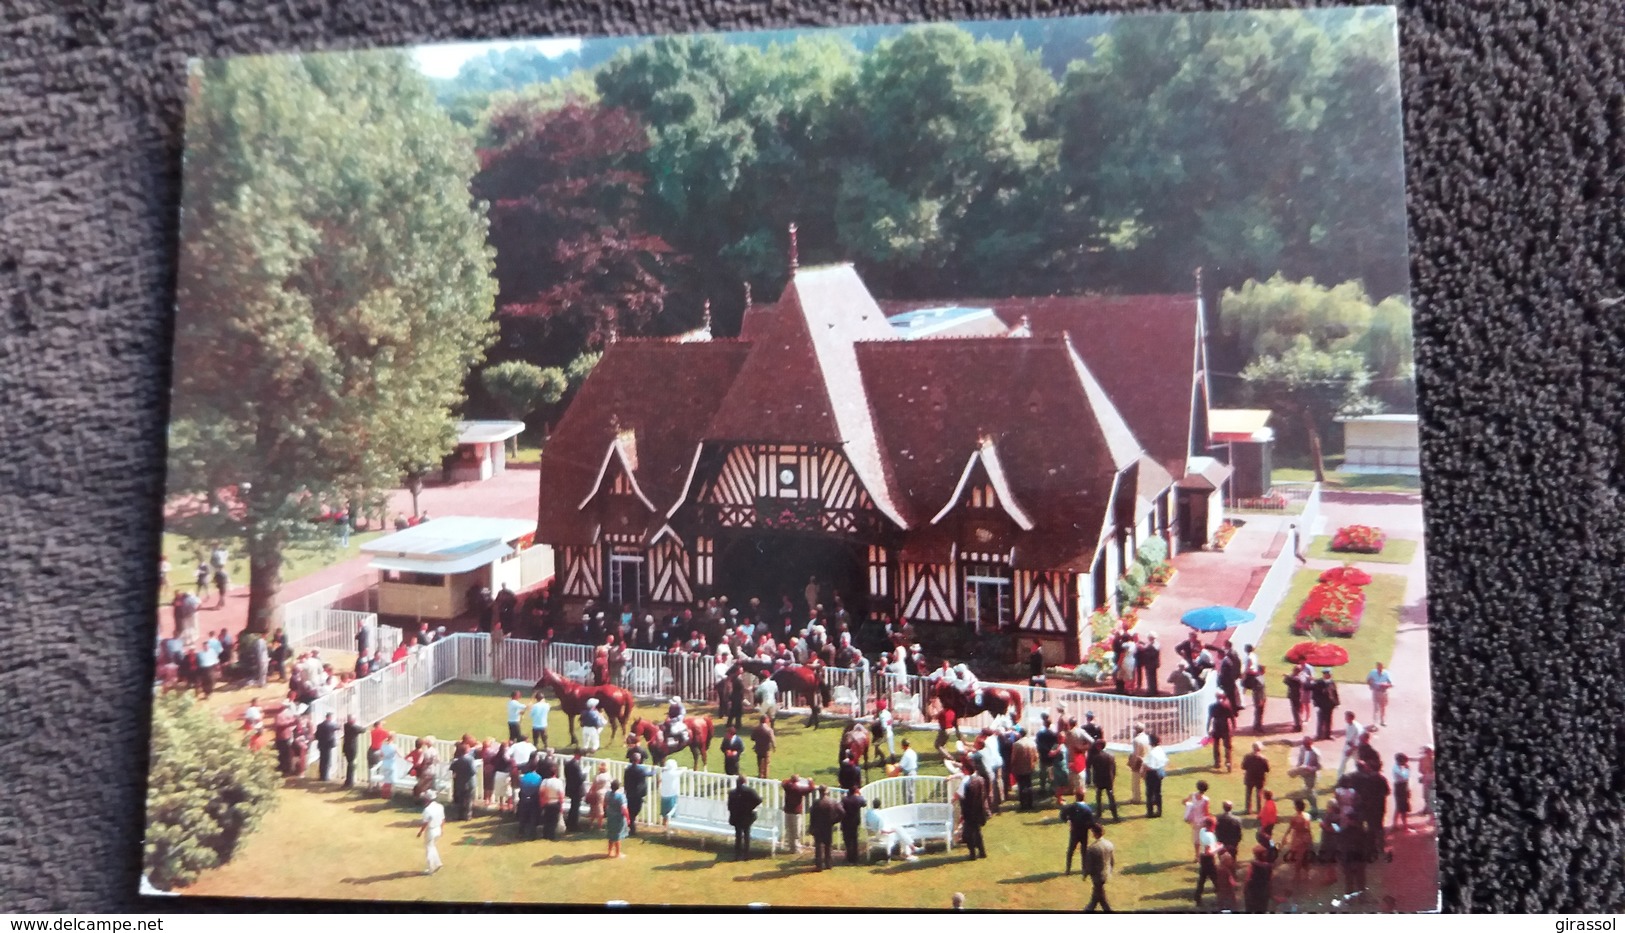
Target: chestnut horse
x,y
962,705
798,683
614,702
700,730
859,743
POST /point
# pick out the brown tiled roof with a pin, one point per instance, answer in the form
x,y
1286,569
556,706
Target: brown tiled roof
x,y
1142,348
660,393
801,385
1059,443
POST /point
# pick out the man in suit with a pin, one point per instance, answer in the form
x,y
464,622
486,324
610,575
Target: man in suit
x,y
1149,659
353,731
575,787
462,783
1078,816
849,775
327,739
1230,677
763,738
1294,698
1103,774
1228,828
1099,861
852,807
974,809
636,785
1323,694
821,821
732,747
742,803
1221,726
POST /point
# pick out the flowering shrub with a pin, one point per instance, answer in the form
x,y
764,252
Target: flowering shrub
x,y
1335,608
1360,539
1273,502
1348,573
1162,573
1227,530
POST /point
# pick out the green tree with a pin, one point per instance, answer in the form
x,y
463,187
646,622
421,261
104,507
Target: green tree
x,y
520,388
1313,386
206,791
580,368
1266,319
950,140
1246,143
334,289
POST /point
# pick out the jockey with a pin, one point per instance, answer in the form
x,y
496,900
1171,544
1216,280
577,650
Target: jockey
x,y
966,681
883,721
676,729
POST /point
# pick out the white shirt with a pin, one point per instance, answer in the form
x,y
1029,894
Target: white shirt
x,y
515,708
1351,735
1251,666
883,720
991,758
519,753
1309,758
1142,746
910,762
767,692
1206,841
1156,759
253,716
1378,680
434,816
538,714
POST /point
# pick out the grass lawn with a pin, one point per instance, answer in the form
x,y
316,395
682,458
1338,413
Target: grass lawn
x,y
186,552
367,847
1394,551
528,453
1384,596
1363,482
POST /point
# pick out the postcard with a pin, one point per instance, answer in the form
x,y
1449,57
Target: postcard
x,y
894,467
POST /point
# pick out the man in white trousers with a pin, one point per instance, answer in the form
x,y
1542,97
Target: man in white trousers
x,y
434,817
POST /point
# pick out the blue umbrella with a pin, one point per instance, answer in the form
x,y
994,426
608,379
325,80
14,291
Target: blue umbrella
x,y
1216,618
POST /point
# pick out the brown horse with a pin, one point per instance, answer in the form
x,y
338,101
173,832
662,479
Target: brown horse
x,y
857,741
797,683
614,702
995,701
700,730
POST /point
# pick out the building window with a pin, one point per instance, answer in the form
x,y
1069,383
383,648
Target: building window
x,y
987,597
625,577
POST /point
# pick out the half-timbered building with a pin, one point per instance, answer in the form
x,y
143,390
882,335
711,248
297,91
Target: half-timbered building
x,y
998,478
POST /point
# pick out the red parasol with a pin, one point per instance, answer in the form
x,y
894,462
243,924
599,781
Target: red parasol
x,y
1317,654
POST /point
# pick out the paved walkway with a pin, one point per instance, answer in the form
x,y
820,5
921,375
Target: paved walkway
x,y
511,495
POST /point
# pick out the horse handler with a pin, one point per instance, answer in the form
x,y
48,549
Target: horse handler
x,y
763,738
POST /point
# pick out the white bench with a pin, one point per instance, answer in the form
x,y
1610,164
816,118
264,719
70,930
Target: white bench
x,y
710,816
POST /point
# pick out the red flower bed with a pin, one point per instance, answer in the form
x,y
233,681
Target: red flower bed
x,y
1334,607
1360,539
1349,574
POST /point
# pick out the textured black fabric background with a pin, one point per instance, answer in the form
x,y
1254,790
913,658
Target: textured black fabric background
x,y
1515,118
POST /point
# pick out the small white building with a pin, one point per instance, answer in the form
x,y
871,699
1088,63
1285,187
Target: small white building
x,y
426,571
1382,444
482,450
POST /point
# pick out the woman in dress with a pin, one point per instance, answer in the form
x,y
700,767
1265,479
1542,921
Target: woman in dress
x,y
616,819
597,795
668,791
1299,841
428,763
388,762
1402,791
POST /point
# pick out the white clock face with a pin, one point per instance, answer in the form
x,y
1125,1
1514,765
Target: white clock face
x,y
787,477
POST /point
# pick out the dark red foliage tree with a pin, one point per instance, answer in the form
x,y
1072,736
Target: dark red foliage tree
x,y
571,250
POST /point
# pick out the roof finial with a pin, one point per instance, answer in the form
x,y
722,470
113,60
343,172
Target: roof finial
x,y
747,295
705,317
1198,280
793,259
611,332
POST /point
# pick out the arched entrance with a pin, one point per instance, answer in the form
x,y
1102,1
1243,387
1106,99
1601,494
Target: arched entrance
x,y
766,564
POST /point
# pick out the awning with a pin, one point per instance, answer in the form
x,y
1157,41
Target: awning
x,y
483,557
1204,473
487,432
1236,424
